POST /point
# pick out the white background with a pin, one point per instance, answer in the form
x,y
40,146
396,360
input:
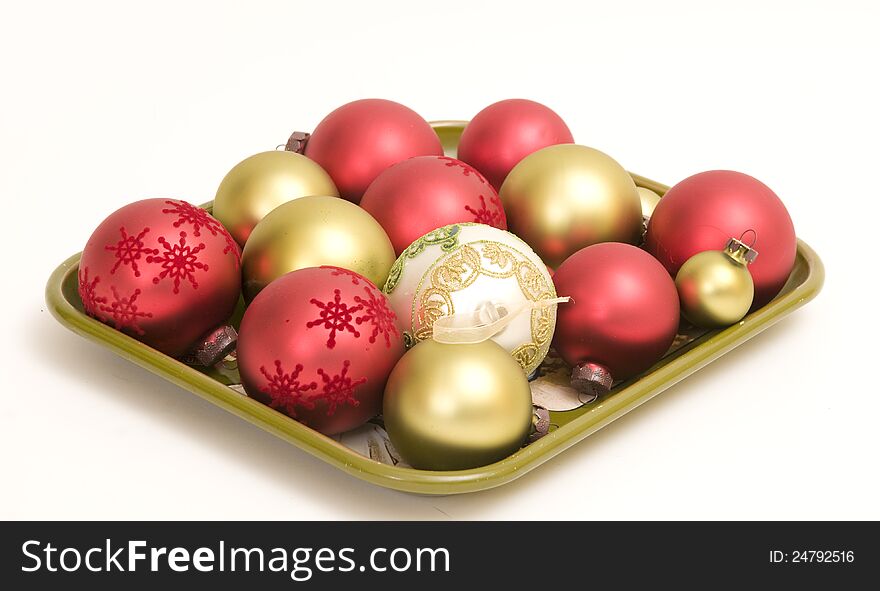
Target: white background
x,y
102,103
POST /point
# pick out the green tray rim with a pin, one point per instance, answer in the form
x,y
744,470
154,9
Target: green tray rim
x,y
621,401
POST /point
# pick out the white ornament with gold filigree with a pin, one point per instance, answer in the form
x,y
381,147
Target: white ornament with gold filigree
x,y
482,280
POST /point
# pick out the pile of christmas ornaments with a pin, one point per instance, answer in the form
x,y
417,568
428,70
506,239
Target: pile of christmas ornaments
x,y
382,277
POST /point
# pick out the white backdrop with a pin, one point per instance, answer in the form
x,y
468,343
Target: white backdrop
x,y
107,102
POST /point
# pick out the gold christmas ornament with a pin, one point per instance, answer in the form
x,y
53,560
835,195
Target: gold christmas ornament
x,y
311,232
563,198
453,407
258,184
649,200
715,287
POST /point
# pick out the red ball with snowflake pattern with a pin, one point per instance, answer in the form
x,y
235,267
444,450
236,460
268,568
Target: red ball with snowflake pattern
x,y
162,271
318,344
421,194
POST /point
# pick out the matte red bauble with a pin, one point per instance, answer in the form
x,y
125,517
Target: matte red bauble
x,y
622,318
703,211
359,140
504,133
413,197
318,344
162,271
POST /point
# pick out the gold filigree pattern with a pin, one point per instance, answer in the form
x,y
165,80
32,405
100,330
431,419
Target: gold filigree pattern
x,y
533,283
526,355
446,238
543,323
435,303
408,339
498,256
464,266
458,271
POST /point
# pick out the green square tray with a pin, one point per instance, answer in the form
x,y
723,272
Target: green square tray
x,y
573,426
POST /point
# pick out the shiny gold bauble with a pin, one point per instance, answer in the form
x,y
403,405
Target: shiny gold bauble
x,y
715,288
649,200
257,185
565,197
453,407
311,232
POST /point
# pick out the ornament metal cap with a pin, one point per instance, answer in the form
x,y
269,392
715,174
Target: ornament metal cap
x,y
214,347
591,378
297,142
540,423
740,251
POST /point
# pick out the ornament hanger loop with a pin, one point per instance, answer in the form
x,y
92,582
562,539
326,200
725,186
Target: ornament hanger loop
x,y
587,398
754,238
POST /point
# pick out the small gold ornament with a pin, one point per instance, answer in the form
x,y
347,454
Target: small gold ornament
x,y
649,200
258,184
563,198
453,407
715,287
311,232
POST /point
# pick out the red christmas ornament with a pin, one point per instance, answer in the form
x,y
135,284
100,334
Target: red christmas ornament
x,y
622,318
163,271
318,344
359,140
705,210
504,133
413,197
